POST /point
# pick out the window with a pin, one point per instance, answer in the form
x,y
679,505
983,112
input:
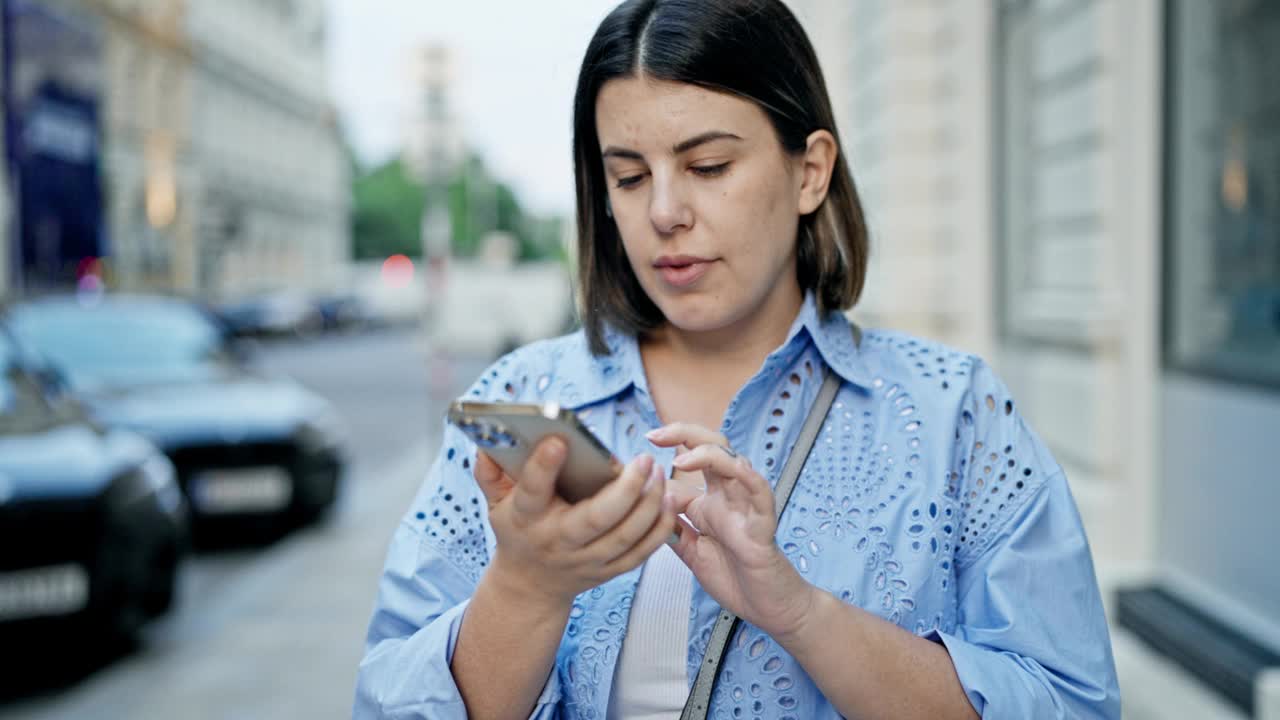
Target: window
x,y
1222,194
1049,82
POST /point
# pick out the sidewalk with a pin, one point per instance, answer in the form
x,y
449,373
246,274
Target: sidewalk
x,y
1153,688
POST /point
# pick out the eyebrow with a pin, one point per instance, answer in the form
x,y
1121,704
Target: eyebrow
x,y
681,147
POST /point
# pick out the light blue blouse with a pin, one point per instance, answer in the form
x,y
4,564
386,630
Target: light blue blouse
x,y
926,501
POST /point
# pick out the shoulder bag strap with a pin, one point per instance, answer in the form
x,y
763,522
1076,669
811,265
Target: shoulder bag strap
x,y
695,708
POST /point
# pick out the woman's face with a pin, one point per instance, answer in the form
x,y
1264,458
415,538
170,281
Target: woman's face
x,y
705,198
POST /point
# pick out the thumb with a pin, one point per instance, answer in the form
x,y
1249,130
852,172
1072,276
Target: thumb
x,y
681,495
537,487
685,544
493,482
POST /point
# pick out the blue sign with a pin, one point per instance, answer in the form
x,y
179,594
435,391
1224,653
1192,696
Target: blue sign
x,y
52,96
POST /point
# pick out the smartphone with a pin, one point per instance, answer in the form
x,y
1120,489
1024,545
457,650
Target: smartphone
x,y
508,433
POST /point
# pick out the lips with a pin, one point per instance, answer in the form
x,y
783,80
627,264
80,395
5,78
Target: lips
x,y
682,271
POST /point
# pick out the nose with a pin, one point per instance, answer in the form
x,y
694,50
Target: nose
x,y
669,209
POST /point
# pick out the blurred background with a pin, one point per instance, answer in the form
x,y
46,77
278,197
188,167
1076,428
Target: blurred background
x,y
251,248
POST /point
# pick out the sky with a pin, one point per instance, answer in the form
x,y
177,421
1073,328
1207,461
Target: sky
x,y
517,63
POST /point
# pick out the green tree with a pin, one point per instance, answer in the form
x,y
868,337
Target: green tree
x,y
387,213
388,206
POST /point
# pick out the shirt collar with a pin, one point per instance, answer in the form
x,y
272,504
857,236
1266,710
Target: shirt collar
x,y
836,338
605,376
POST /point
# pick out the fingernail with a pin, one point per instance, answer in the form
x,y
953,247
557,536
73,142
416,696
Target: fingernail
x,y
655,477
654,433
644,465
680,460
553,451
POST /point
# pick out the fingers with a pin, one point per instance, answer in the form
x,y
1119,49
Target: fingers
x,y
537,483
658,533
681,495
719,463
718,459
689,434
687,536
493,482
590,519
695,512
637,523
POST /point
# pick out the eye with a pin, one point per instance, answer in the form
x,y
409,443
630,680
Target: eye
x,y
626,182
710,170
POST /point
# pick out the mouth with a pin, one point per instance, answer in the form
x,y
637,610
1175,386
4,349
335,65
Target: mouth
x,y
682,271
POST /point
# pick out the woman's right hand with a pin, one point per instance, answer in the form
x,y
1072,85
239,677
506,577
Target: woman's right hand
x,y
551,550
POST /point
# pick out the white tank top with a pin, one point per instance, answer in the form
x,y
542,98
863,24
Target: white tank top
x,y
651,681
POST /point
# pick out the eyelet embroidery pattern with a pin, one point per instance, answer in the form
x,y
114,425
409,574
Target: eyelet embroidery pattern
x,y
850,490
878,463
592,642
936,363
598,618
991,478
453,520
774,695
786,402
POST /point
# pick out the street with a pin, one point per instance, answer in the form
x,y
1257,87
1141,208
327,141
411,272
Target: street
x,y
277,631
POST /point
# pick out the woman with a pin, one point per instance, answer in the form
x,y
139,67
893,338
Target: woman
x,y
930,563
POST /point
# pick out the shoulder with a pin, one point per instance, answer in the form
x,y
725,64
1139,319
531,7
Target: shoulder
x,y
937,380
996,463
553,369
934,373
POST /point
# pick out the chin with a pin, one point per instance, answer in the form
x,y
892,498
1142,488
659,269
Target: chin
x,y
697,312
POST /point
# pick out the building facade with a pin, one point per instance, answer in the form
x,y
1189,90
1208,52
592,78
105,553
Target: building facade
x,y
274,178
433,146
222,167
152,167
1088,193
5,219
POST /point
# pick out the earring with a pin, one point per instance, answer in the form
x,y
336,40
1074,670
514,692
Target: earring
x,y
608,207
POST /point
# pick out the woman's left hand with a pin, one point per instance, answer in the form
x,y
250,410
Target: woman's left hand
x,y
728,541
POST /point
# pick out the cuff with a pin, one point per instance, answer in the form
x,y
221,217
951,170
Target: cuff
x,y
995,682
411,677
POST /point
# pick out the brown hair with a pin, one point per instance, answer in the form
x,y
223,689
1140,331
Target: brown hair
x,y
754,49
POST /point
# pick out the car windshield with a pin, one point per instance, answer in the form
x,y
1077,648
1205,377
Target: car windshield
x,y
123,343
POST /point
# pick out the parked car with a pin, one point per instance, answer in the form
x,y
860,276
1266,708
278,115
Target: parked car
x,y
92,524
279,313
342,311
249,450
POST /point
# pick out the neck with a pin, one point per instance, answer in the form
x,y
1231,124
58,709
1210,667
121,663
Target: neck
x,y
744,343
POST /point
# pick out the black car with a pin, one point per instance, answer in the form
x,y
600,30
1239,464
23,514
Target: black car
x,y
250,451
92,523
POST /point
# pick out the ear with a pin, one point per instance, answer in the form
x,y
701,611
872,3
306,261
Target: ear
x,y
817,164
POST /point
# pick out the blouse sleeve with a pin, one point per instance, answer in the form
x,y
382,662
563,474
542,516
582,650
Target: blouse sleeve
x,y
1031,638
434,562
